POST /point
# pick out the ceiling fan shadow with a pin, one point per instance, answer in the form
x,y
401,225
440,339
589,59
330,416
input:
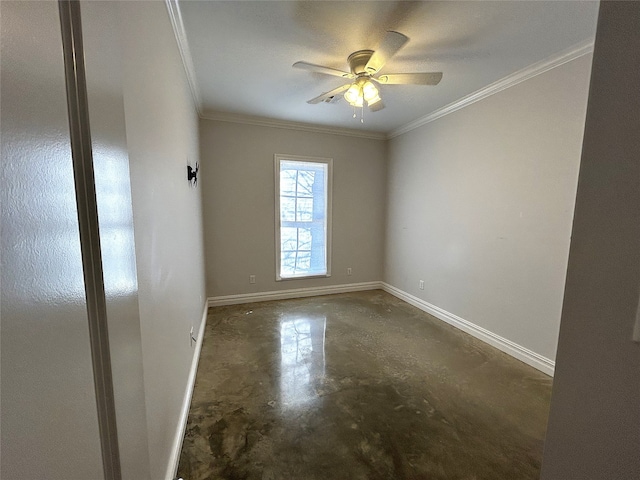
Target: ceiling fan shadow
x,y
352,25
451,55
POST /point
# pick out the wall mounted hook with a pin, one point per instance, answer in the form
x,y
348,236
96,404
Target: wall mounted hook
x,y
192,175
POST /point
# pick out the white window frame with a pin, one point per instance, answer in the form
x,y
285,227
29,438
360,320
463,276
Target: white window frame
x,y
300,158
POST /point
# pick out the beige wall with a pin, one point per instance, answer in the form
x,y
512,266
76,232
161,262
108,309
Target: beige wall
x,y
594,425
480,204
144,128
162,133
238,195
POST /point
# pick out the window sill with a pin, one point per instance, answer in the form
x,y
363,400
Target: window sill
x,y
302,277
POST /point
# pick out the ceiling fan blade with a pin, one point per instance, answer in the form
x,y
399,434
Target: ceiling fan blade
x,y
431,78
320,69
376,106
392,42
327,95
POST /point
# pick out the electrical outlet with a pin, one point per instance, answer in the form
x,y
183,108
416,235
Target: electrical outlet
x,y
421,284
252,279
348,270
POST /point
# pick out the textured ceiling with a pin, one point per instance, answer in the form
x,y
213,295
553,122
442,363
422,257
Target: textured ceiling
x,y
242,51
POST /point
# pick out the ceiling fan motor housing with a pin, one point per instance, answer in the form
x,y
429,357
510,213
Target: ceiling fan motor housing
x,y
358,61
364,65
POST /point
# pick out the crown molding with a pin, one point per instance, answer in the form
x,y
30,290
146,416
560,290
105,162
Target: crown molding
x,y
515,78
305,127
185,53
511,80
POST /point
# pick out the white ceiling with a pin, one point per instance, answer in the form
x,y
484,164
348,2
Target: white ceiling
x,y
242,51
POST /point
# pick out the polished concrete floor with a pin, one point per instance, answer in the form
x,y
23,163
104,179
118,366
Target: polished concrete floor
x,y
358,386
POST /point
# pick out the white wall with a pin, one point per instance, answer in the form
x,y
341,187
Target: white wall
x,y
103,49
239,195
49,418
142,118
594,424
480,204
162,134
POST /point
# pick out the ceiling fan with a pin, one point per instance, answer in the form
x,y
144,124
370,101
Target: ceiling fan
x,y
365,66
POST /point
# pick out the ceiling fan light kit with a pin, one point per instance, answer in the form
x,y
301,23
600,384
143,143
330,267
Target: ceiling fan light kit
x,y
353,95
360,91
364,66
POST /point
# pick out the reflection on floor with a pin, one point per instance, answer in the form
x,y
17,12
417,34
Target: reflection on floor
x,y
358,386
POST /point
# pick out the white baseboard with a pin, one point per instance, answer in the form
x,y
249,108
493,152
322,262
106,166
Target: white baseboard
x,y
523,354
292,293
172,467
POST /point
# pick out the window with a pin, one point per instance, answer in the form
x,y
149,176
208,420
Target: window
x,y
303,217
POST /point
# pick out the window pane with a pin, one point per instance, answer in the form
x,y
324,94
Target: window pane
x,y
303,262
288,180
287,209
304,212
305,183
289,239
303,205
304,239
288,264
